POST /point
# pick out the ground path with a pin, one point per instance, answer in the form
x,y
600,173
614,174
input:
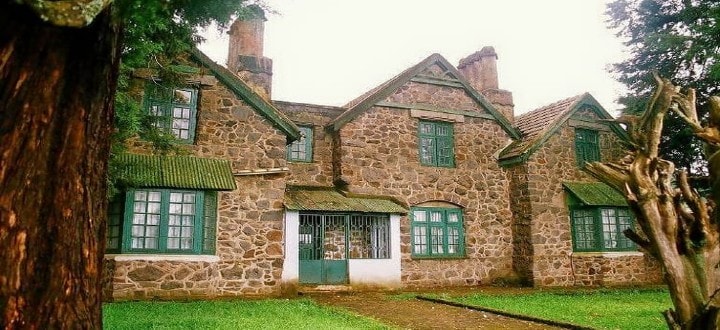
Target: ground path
x,y
418,314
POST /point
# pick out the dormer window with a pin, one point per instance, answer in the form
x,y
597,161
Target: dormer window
x,y
174,111
301,150
436,144
587,146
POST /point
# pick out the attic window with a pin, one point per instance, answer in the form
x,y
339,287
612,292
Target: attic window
x,y
174,110
587,146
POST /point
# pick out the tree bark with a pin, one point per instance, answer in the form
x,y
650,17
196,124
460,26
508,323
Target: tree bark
x,y
56,93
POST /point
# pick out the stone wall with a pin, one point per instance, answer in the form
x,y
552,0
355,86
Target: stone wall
x,y
553,261
377,154
319,172
249,250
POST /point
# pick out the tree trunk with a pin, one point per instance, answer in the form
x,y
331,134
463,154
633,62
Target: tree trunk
x,y
56,93
678,226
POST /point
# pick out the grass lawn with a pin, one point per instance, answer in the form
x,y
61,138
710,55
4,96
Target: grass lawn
x,y
602,309
236,314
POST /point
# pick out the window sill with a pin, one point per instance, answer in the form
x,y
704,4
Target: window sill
x,y
609,254
162,257
438,257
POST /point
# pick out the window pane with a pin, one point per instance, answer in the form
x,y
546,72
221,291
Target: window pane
x,y
420,240
436,216
436,240
154,196
182,96
419,216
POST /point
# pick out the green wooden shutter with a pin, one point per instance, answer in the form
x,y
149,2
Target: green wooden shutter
x,y
209,222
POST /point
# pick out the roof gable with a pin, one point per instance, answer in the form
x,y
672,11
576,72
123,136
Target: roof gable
x,y
425,70
242,90
539,125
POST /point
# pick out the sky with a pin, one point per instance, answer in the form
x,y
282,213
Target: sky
x,y
331,51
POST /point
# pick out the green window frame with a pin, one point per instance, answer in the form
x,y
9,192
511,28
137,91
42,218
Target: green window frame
x,y
436,144
163,221
174,110
598,229
587,146
437,232
301,150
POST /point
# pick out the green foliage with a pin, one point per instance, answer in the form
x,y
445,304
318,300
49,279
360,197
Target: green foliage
x,y
155,33
601,309
239,314
679,39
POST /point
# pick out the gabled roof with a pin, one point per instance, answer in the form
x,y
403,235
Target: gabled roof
x,y
241,89
307,198
183,172
379,93
595,194
538,125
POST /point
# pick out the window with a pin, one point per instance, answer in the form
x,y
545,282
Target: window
x,y
601,229
301,150
163,221
586,146
174,111
436,144
437,232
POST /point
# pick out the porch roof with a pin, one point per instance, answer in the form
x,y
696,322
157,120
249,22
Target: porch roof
x,y
184,172
304,198
595,194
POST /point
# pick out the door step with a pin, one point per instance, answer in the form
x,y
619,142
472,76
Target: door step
x,y
325,288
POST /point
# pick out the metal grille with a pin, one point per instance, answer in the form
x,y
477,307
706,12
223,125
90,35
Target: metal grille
x,y
343,236
369,237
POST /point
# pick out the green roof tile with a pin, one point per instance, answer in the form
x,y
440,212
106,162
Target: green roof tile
x,y
595,194
184,172
329,199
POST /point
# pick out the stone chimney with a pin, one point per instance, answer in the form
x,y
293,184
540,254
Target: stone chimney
x,y
245,52
480,69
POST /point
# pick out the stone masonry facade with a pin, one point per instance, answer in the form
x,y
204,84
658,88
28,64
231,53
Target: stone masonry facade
x,y
249,247
516,220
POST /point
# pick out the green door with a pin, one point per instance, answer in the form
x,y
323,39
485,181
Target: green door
x,y
323,249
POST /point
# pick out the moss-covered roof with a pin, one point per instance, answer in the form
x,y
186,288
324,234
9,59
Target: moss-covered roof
x,y
263,106
183,172
303,198
382,91
595,194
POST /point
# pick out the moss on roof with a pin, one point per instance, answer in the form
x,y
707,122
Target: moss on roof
x,y
595,194
183,172
329,199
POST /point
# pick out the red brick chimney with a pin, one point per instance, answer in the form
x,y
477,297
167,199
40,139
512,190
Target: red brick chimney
x,y
480,69
245,52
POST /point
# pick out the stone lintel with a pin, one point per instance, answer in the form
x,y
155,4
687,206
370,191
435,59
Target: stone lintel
x,y
615,254
582,123
262,171
437,81
162,257
433,115
418,106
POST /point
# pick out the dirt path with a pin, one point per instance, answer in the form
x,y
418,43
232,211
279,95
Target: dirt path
x,y
418,314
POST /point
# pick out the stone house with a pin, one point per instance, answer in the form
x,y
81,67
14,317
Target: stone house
x,y
426,180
